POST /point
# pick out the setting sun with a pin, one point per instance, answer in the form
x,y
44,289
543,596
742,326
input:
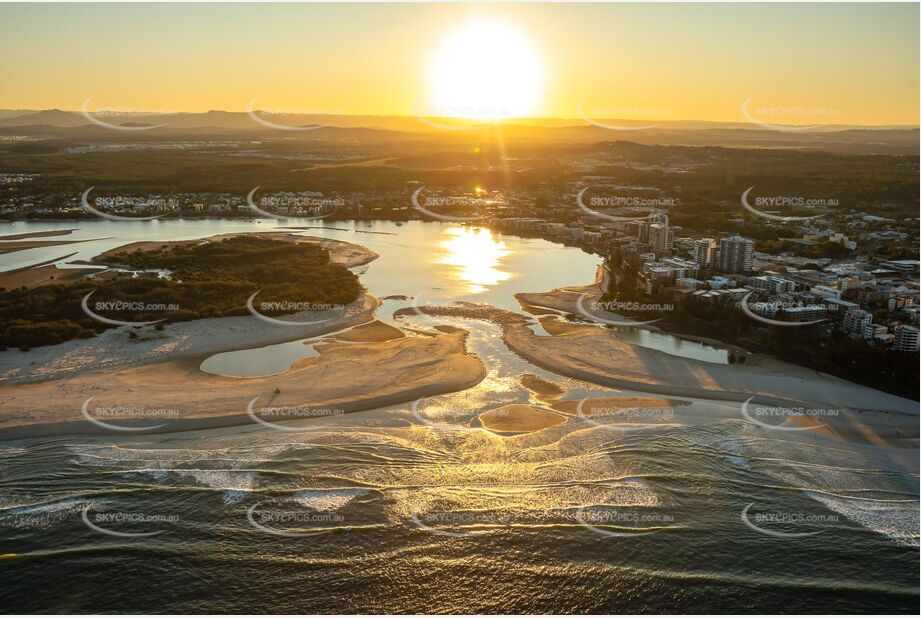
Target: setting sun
x,y
485,70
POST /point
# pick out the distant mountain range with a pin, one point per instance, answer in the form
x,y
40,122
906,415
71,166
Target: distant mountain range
x,y
841,138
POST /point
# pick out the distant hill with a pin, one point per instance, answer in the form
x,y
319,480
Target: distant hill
x,y
224,125
53,117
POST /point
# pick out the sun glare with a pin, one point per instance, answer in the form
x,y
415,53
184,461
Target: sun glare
x,y
477,257
485,70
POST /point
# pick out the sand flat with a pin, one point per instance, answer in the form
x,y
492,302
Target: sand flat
x,y
24,245
345,379
373,332
43,273
612,406
37,234
539,386
519,418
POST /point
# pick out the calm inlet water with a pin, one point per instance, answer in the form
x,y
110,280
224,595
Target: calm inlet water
x,y
412,508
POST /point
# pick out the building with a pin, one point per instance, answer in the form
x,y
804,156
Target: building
x,y
718,283
736,255
735,294
903,266
705,252
683,268
641,231
805,313
856,320
874,331
660,237
899,302
689,283
906,338
772,284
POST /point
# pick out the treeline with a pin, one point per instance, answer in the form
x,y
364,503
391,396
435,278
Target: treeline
x,y
836,354
205,281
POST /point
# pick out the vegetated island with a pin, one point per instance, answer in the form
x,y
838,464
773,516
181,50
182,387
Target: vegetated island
x,y
178,282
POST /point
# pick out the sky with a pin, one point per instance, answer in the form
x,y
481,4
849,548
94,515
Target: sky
x,y
802,63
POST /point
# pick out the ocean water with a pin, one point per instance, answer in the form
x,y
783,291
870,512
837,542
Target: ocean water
x,y
416,509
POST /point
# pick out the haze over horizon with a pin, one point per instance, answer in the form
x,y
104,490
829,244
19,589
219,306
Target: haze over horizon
x,y
830,64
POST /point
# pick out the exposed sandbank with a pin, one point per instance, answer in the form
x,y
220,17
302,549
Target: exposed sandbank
x,y
519,418
343,378
37,234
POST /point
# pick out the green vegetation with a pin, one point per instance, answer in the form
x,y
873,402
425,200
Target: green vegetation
x,y
206,280
830,250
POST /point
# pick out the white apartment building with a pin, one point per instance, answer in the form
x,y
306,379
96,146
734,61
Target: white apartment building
x,y
906,338
736,254
856,320
772,284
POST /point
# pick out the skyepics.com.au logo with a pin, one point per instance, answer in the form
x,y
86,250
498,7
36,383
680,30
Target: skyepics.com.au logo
x,y
430,309
271,416
785,118
132,117
758,414
283,119
108,207
591,309
130,306
786,524
477,202
654,203
294,205
784,201
329,311
457,117
626,418
109,522
291,523
458,523
141,417
618,118
624,522
795,314
425,417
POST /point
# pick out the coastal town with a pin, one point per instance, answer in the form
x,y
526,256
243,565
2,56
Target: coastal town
x,y
865,296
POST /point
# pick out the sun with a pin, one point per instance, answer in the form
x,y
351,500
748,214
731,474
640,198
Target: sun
x,y
485,70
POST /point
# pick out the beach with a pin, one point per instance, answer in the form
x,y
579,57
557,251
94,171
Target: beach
x,y
147,368
425,427
44,389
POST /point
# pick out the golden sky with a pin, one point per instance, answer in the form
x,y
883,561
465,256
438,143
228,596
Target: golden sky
x,y
808,63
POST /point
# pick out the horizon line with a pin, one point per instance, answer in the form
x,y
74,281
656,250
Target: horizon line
x,y
458,119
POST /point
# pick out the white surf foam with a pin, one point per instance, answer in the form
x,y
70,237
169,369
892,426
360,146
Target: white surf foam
x,y
896,519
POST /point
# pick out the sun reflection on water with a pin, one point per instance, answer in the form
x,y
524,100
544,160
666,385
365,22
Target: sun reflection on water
x,y
476,255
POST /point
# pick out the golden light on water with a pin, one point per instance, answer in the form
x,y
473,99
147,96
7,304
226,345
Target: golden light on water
x,y
477,256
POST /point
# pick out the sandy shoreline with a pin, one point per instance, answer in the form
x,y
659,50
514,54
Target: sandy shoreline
x,y
594,354
113,350
24,245
37,234
341,253
177,394
519,418
364,363
43,273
